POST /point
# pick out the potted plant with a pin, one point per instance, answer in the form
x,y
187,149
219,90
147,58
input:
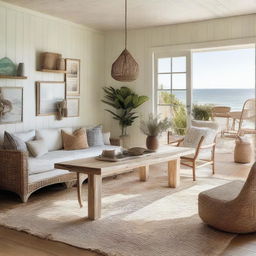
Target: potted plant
x,y
153,127
124,101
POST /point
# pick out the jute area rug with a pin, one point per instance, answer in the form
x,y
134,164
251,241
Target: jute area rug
x,y
138,218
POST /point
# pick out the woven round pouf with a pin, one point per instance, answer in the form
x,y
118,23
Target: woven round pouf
x,y
243,151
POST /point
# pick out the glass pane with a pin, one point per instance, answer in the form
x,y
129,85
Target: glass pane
x,y
179,64
163,97
180,95
179,113
164,81
164,111
179,81
164,65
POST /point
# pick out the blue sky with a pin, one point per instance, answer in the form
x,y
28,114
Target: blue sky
x,y
224,69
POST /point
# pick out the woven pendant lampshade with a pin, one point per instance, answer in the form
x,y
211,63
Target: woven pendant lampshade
x,y
125,68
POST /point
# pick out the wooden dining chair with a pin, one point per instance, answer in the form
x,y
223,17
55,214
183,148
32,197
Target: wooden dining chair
x,y
203,139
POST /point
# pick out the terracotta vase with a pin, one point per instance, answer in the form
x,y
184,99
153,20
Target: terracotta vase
x,y
152,142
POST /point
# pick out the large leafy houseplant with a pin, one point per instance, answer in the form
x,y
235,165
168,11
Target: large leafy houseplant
x,y
124,101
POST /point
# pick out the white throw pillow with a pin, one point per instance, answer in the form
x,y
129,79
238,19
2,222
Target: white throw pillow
x,y
52,137
106,138
26,136
37,148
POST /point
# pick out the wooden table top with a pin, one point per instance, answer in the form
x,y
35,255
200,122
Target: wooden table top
x,y
94,166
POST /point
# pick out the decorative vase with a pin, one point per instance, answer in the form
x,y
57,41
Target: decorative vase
x,y
20,70
152,143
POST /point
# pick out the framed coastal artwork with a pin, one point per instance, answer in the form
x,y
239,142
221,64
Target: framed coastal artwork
x,y
11,105
48,94
72,77
73,106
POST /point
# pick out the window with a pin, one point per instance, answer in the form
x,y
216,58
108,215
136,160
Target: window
x,y
171,89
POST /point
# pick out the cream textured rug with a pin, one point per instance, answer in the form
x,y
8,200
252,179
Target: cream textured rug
x,y
138,218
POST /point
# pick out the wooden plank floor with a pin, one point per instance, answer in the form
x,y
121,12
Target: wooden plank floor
x,y
14,243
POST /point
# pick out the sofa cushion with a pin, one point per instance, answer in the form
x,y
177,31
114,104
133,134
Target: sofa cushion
x,y
11,142
47,161
26,136
52,137
37,148
46,175
75,141
106,138
95,137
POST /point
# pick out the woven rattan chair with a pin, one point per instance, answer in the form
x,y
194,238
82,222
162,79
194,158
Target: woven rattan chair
x,y
246,120
231,207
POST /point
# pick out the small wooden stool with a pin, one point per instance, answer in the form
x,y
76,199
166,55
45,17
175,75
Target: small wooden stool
x,y
243,151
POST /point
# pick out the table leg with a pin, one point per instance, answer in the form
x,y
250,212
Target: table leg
x,y
174,173
94,196
144,172
80,179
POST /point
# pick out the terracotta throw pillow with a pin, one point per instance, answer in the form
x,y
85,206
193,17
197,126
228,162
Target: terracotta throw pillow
x,y
77,140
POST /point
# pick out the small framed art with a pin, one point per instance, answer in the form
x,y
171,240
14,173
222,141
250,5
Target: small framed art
x,y
11,105
72,77
47,95
73,106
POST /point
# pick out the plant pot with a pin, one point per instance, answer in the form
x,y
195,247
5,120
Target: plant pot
x,y
125,141
152,142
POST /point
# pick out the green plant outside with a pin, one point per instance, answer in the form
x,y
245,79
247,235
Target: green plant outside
x,y
124,101
202,112
179,113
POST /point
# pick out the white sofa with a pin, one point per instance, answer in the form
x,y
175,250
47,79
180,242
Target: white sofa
x,y
23,174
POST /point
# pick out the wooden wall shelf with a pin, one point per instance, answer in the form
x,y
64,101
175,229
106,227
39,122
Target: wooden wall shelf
x,y
12,77
53,71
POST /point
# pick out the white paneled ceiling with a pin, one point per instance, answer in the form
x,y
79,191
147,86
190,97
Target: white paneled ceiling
x,y
108,14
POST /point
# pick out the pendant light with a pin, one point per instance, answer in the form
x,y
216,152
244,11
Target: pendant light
x,y
125,68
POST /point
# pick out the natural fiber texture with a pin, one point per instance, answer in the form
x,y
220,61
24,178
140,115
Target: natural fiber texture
x,y
125,68
14,173
138,218
75,141
231,207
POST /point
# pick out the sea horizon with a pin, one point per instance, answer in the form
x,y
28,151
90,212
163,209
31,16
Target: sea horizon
x,y
217,97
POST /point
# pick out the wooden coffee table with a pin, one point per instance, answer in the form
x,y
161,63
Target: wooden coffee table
x,y
96,170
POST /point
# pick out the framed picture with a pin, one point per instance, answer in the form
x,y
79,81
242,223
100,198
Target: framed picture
x,y
11,105
72,77
47,95
73,106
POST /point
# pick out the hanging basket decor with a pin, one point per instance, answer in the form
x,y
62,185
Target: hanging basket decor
x,y
125,68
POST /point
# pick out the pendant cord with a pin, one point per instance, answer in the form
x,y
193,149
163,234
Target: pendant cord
x,y
125,24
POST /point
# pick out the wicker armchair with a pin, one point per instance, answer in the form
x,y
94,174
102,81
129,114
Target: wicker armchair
x,y
14,174
231,207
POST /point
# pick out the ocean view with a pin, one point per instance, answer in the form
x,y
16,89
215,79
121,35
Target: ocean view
x,y
233,98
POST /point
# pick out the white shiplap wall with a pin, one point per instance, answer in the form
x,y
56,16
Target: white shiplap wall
x,y
24,34
142,42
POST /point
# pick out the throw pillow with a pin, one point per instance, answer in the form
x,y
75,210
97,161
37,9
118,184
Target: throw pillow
x,y
26,136
106,138
11,142
95,137
37,148
77,140
52,137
